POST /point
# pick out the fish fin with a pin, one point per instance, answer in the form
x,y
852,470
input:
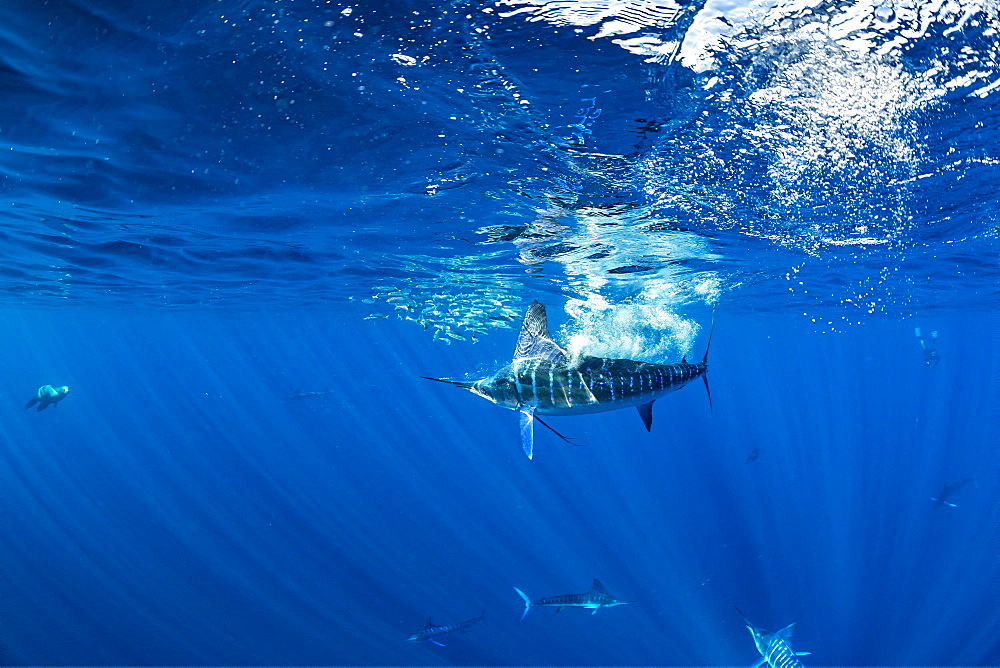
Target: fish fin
x,y
704,362
558,609
527,602
527,415
708,391
802,653
428,624
595,610
646,413
547,426
786,633
759,663
597,586
711,330
534,341
34,400
439,644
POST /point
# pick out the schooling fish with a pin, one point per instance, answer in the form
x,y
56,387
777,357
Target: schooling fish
x,y
430,631
597,598
773,647
543,379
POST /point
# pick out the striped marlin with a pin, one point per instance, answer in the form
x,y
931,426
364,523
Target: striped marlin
x,y
431,631
773,647
543,379
597,598
948,490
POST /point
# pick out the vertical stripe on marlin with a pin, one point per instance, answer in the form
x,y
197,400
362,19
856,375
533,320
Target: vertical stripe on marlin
x,y
780,655
541,383
524,378
534,382
567,388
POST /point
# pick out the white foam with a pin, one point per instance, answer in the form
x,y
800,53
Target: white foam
x,y
640,331
876,27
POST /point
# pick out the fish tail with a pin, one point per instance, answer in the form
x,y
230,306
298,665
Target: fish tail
x,y
704,362
527,602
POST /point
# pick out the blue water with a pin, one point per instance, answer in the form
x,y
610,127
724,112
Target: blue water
x,y
215,207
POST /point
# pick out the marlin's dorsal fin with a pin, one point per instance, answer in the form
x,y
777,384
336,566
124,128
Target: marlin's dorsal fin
x,y
597,586
786,633
535,342
429,623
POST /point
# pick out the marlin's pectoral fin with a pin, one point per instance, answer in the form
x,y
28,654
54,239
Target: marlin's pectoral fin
x,y
549,427
436,642
802,653
595,610
759,663
527,415
646,413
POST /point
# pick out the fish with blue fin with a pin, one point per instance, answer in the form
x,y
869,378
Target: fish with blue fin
x,y
543,379
431,631
947,491
597,598
299,394
774,648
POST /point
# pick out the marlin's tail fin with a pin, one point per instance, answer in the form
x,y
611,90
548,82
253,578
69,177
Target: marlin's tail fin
x,y
527,602
704,361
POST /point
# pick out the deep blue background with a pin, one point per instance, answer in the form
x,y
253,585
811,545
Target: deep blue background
x,y
176,508
207,206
